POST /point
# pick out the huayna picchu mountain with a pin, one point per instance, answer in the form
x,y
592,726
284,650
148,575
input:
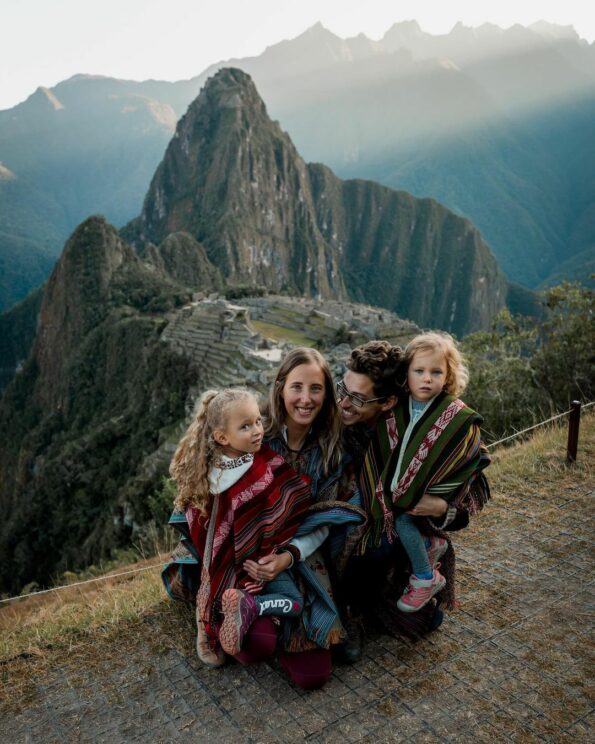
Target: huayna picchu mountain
x,y
233,180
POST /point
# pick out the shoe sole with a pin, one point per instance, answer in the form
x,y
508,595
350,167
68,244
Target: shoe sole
x,y
217,660
210,664
229,633
408,608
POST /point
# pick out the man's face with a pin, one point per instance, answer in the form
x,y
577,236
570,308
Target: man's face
x,y
362,388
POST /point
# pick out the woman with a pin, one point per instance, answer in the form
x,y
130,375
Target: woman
x,y
303,425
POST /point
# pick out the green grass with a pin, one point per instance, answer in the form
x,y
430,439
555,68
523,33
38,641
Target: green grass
x,y
279,333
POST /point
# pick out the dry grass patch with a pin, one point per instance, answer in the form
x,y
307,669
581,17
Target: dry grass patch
x,y
538,465
102,622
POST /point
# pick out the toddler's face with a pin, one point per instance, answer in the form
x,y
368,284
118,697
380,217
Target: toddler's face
x,y
426,375
243,430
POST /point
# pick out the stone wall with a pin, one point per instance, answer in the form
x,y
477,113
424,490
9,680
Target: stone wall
x,y
216,336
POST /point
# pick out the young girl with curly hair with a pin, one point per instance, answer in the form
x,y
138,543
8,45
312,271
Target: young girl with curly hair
x,y
237,501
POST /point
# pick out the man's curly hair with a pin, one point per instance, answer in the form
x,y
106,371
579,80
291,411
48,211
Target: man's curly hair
x,y
382,363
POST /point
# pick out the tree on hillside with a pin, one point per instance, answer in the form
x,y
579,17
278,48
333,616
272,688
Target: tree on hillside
x,y
523,370
564,363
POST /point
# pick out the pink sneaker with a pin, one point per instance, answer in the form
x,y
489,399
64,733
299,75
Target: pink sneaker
x,y
239,612
419,592
438,547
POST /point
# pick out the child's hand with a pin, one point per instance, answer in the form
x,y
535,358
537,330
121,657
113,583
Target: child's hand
x,y
253,587
429,506
268,567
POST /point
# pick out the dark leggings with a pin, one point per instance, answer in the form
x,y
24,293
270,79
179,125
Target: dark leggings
x,y
309,670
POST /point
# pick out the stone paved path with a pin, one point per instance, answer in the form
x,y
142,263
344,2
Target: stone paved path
x,y
514,664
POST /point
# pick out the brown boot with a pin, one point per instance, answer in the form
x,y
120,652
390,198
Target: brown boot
x,y
210,657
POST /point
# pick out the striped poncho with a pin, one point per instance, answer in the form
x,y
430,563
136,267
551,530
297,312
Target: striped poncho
x,y
443,456
336,505
257,514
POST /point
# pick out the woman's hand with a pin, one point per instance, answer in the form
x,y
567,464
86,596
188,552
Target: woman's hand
x,y
268,567
429,506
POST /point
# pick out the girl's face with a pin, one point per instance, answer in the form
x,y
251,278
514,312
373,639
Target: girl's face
x,y
303,394
243,429
426,375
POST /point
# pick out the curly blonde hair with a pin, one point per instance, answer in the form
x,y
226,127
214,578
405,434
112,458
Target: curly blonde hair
x,y
457,373
197,449
327,426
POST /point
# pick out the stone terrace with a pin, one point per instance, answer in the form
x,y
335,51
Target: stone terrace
x,y
513,664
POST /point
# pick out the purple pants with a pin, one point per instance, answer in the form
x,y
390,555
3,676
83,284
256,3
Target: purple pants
x,y
309,670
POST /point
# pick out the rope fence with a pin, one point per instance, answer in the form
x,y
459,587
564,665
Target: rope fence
x,y
80,583
575,409
535,426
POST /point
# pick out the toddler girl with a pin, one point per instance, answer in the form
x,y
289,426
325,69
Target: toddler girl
x,y
439,455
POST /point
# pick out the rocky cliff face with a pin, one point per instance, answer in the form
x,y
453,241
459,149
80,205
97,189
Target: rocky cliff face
x,y
85,407
233,180
184,260
412,256
98,277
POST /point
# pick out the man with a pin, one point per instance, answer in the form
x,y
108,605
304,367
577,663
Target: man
x,y
369,389
366,395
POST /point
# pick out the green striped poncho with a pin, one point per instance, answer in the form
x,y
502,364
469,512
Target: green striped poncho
x,y
443,456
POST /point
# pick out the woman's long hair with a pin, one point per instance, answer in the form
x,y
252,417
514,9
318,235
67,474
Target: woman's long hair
x,y
197,449
327,425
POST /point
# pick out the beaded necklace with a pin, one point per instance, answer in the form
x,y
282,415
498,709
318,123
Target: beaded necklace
x,y
229,464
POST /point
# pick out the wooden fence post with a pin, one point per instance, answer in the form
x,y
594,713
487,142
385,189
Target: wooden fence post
x,y
573,426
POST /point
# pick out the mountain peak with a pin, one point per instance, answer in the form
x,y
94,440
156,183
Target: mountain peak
x,y
230,88
41,101
75,299
317,31
404,29
554,31
232,179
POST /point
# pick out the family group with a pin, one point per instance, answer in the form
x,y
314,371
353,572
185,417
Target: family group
x,y
329,506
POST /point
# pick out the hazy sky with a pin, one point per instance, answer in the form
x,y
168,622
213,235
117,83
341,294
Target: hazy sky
x,y
45,41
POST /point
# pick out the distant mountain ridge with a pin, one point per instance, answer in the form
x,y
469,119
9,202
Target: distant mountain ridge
x,y
493,123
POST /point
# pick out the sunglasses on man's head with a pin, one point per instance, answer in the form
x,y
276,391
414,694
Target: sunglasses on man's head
x,y
355,399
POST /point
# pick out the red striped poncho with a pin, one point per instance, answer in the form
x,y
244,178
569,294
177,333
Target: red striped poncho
x,y
253,517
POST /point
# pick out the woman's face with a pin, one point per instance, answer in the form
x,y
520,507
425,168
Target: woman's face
x,y
303,394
